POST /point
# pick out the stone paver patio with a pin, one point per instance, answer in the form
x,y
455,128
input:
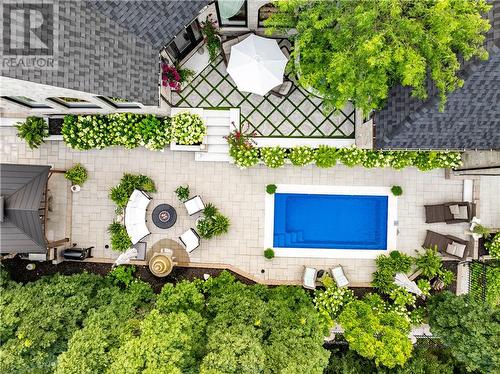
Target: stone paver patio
x,y
238,193
298,115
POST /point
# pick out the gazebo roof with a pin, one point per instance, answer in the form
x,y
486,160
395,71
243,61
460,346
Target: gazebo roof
x,y
21,191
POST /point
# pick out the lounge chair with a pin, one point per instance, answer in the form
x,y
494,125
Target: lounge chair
x,y
194,205
190,240
339,276
309,279
448,245
226,45
454,212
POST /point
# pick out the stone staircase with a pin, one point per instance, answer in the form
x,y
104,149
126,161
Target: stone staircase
x,y
219,123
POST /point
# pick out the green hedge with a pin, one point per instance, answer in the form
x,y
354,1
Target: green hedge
x,y
246,156
121,129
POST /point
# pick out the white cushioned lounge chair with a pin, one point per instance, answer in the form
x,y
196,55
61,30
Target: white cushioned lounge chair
x,y
339,276
309,279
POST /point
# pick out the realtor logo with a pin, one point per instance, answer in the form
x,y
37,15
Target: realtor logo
x,y
29,33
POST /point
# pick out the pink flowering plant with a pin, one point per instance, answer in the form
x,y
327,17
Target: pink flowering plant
x,y
240,138
170,77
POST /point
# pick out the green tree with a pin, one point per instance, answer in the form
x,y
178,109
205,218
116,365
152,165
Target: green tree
x,y
168,344
38,319
357,50
91,348
382,336
471,329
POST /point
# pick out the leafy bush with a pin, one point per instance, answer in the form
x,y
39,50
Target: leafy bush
x,y
387,267
182,297
274,157
120,241
471,329
271,189
301,156
269,253
431,266
212,223
118,129
33,131
374,335
130,182
182,192
332,301
209,31
188,128
122,275
326,156
244,156
76,174
492,244
396,190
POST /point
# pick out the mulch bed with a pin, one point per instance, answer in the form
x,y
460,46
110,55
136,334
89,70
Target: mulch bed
x,y
18,272
55,126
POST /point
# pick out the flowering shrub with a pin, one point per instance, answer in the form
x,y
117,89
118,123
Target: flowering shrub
x,y
332,301
122,129
274,157
326,156
239,138
493,245
170,77
188,128
300,156
244,156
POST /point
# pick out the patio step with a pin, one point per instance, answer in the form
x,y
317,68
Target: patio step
x,y
217,157
216,139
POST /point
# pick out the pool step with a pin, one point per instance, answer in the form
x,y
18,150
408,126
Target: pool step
x,y
279,240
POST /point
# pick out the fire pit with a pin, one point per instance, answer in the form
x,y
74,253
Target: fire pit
x,y
164,216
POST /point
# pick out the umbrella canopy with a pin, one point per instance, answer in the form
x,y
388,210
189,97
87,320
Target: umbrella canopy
x,y
402,280
257,64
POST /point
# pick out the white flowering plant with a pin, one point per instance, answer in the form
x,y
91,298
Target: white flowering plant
x,y
188,129
332,301
274,157
301,155
244,156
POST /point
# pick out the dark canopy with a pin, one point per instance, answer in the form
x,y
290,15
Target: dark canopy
x,y
21,192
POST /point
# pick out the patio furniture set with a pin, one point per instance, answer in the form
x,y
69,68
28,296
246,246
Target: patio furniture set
x,y
164,216
448,245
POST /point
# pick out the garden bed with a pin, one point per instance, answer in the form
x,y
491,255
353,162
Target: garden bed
x,y
55,125
17,270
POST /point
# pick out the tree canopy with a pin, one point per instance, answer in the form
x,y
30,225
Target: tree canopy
x,y
357,50
471,329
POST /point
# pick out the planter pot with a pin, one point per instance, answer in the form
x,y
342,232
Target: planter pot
x,y
75,188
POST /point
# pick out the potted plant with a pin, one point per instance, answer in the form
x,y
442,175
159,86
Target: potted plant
x,y
182,193
271,189
397,190
269,253
212,223
77,175
34,130
188,130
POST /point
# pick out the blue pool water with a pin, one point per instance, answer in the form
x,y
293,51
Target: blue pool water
x,y
330,221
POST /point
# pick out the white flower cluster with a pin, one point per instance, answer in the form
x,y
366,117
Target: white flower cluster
x,y
188,129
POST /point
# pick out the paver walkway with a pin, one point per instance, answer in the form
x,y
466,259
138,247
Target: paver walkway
x,y
238,193
299,114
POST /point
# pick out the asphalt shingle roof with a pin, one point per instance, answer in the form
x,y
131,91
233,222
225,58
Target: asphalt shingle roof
x,y
111,48
471,119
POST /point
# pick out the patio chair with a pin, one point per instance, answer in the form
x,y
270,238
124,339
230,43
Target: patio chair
x,y
190,240
448,245
309,279
339,276
285,88
227,44
454,212
194,205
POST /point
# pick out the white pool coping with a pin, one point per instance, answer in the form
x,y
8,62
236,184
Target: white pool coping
x,y
392,221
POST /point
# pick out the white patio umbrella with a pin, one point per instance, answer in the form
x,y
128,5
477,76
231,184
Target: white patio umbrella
x,y
257,64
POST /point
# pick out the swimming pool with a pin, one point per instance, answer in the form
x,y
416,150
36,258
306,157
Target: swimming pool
x,y
331,221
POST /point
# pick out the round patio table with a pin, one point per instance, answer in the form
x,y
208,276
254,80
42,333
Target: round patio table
x,y
164,216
